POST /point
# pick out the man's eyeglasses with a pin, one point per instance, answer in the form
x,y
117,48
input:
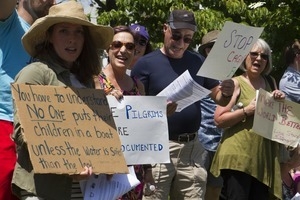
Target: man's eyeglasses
x,y
117,45
142,42
262,55
176,36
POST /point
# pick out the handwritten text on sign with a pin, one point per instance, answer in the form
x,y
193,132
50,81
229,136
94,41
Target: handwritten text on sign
x,y
231,48
277,120
143,129
66,129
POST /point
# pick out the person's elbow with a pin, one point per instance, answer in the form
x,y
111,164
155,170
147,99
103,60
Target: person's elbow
x,y
219,123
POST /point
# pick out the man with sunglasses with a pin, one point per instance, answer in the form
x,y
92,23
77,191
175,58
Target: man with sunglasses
x,y
13,24
185,176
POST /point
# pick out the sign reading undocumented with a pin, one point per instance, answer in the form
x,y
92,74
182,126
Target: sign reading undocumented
x,y
142,127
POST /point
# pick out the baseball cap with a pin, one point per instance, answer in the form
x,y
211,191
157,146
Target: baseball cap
x,y
182,19
141,30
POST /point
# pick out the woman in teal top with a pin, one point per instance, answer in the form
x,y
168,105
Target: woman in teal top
x,y
249,163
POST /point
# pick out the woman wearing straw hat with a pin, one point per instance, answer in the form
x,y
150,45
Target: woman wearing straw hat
x,y
65,45
14,22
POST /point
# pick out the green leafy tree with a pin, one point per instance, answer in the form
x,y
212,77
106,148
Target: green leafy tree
x,y
280,19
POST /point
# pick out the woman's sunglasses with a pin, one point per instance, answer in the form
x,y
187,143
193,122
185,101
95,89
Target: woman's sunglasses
x,y
142,42
117,45
262,55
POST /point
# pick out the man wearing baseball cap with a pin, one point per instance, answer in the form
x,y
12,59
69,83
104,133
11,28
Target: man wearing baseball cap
x,y
185,176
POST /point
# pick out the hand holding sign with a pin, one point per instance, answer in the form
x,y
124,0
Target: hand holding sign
x,y
277,120
68,129
227,88
232,46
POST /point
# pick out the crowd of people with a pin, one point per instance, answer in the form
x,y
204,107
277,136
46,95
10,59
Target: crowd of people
x,y
214,153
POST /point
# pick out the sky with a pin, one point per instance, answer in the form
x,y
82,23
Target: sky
x,y
86,4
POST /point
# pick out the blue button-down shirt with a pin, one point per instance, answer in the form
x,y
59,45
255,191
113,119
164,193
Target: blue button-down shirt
x,y
209,135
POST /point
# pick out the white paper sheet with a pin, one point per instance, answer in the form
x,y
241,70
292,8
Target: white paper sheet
x,y
184,91
97,187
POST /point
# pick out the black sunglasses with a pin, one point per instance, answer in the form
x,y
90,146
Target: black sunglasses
x,y
177,36
142,42
262,55
117,45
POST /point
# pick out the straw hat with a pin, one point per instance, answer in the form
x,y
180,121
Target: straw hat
x,y
67,12
208,39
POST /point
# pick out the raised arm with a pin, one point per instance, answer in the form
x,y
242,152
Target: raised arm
x,y
225,118
222,93
6,8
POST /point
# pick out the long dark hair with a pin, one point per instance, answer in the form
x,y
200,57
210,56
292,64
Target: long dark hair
x,y
85,67
89,60
137,37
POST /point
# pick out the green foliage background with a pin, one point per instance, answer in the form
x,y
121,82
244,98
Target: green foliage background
x,y
280,19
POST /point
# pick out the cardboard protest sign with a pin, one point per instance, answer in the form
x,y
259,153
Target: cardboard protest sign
x,y
143,129
67,128
232,46
277,120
